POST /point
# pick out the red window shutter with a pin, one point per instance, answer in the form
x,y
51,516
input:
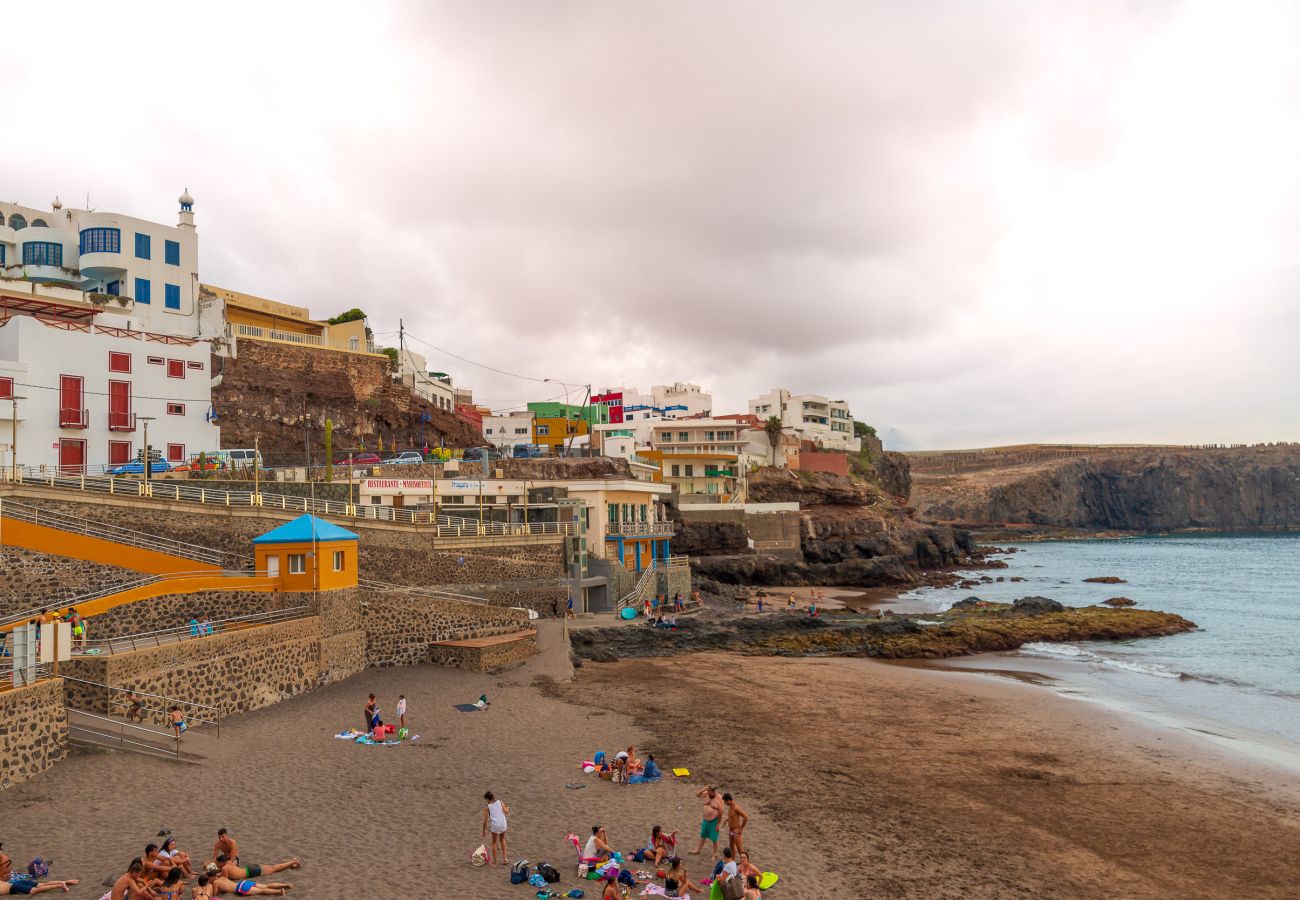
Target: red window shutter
x,y
119,405
119,362
176,453
6,388
119,452
175,368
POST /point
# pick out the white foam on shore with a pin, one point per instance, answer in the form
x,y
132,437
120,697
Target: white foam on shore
x,y
1079,654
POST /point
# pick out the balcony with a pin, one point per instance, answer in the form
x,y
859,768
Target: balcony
x,y
104,264
120,421
719,473
74,418
639,529
303,340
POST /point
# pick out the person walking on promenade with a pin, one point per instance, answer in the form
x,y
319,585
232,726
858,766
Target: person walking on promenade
x,y
494,820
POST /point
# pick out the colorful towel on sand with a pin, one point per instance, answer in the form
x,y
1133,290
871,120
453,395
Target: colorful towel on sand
x,y
364,737
657,890
465,707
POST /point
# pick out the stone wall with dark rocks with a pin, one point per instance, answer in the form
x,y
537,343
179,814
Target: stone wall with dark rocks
x,y
236,672
400,627
546,597
176,610
30,580
491,658
33,731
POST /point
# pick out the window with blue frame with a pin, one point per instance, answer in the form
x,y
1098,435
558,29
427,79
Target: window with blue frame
x,y
101,240
42,253
142,290
172,296
142,247
172,253
114,288
2,254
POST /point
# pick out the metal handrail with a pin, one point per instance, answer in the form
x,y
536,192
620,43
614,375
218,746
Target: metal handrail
x,y
640,528
215,711
71,602
154,638
37,516
122,727
180,491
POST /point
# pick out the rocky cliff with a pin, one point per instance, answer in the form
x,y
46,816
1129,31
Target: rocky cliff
x,y
852,532
270,388
1136,489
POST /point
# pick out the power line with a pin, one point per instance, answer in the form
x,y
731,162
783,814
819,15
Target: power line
x,y
479,364
46,387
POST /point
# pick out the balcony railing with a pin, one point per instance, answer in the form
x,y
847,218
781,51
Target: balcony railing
x,y
626,529
305,340
121,421
719,473
74,418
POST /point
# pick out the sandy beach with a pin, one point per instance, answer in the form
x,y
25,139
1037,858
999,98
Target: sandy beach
x,y
863,779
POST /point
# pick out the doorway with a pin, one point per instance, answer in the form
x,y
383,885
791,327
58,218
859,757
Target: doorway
x,y
273,567
72,457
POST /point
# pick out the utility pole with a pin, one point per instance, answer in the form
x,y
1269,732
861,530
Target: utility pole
x,y
13,434
257,467
148,452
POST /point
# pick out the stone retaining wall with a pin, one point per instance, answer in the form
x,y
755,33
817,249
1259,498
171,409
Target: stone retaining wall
x,y
29,579
175,610
33,731
486,659
400,627
235,672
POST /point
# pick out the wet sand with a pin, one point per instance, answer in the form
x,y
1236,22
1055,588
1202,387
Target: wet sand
x,y
863,779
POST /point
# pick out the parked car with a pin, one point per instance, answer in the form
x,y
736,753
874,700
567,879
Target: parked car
x,y
478,454
405,458
241,458
363,458
528,451
136,467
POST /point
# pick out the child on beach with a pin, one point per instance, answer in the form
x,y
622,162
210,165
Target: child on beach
x,y
179,724
494,818
401,710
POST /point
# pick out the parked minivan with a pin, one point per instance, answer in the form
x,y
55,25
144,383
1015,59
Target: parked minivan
x,y
243,458
528,451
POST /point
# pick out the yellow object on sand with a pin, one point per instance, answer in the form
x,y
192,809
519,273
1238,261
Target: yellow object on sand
x,y
682,773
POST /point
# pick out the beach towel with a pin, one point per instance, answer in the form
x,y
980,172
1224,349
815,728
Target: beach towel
x,y
642,779
465,707
682,773
657,890
362,737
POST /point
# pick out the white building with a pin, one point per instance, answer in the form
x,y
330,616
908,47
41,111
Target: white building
x,y
505,432
101,325
436,387
681,400
827,423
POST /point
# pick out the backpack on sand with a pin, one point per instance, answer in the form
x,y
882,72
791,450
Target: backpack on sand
x,y
733,888
519,872
548,872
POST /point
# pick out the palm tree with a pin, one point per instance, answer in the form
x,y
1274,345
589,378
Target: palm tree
x,y
774,430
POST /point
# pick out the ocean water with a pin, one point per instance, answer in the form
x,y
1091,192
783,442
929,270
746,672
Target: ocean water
x,y
1240,668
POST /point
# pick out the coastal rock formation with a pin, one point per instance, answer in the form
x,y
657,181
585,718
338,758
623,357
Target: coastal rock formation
x,y
1135,489
957,632
851,532
270,388
1105,579
1120,601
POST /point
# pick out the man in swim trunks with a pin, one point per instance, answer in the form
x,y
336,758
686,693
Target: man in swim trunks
x,y
236,871
226,846
131,885
709,820
737,819
246,887
25,887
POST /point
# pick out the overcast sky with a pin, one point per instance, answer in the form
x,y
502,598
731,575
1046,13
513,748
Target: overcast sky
x,y
979,223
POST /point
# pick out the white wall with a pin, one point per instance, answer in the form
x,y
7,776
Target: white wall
x,y
35,355
508,431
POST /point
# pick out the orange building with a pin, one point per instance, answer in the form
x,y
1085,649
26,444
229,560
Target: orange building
x,y
308,554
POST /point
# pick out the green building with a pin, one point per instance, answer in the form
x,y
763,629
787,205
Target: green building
x,y
594,415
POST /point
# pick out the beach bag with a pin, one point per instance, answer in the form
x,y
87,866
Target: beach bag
x,y
403,734
733,889
582,870
37,868
480,856
548,872
638,856
599,758
625,877
519,872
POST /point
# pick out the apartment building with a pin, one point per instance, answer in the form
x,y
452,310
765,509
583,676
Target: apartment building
x,y
507,431
249,317
102,329
436,387
828,424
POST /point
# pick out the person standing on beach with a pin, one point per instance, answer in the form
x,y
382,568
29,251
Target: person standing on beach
x,y
709,820
372,713
401,710
737,819
494,819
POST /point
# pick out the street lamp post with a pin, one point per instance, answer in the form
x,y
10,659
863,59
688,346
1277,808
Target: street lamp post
x,y
148,453
13,434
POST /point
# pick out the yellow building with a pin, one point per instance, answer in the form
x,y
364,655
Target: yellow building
x,y
626,520
556,431
250,316
308,554
714,475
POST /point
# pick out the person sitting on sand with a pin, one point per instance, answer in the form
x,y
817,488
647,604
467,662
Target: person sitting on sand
x,y
236,871
661,845
225,846
201,890
751,888
610,891
155,868
747,868
676,882
171,887
651,771
132,885
598,844
178,859
633,763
